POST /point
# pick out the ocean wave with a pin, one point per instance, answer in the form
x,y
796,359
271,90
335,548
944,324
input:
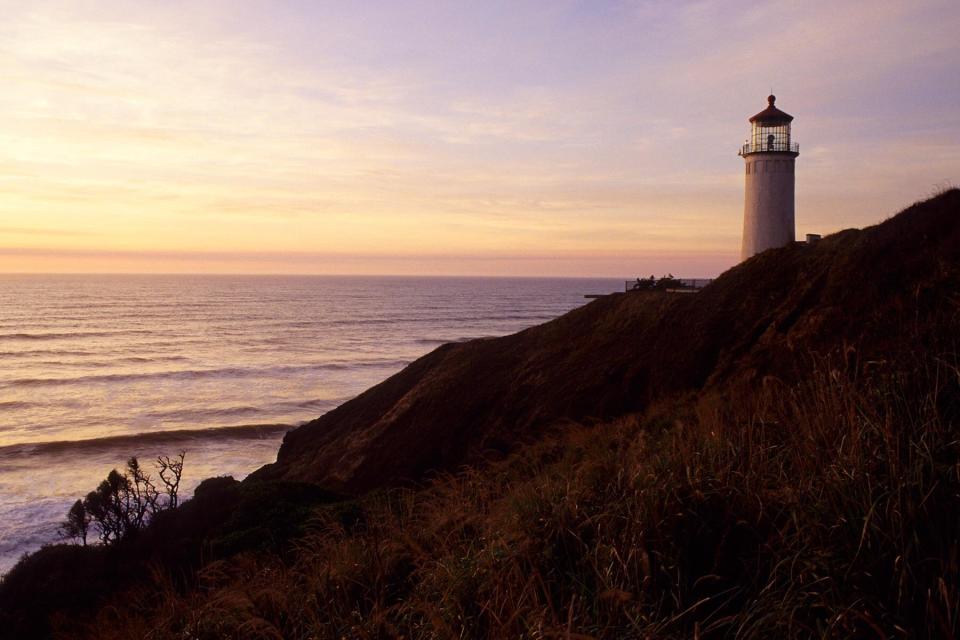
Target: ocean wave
x,y
194,374
16,404
206,414
319,403
203,414
50,353
107,363
302,324
29,353
170,437
439,341
71,335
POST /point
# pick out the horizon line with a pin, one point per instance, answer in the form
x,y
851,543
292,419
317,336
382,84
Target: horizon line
x,y
332,275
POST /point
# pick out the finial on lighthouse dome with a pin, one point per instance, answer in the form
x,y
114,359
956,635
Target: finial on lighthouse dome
x,y
771,114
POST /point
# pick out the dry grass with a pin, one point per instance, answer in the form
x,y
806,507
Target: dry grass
x,y
826,509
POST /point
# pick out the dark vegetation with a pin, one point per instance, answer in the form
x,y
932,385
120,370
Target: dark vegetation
x,y
61,586
775,456
124,503
824,509
663,283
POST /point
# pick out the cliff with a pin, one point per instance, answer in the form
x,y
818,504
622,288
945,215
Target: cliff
x,y
854,292
774,456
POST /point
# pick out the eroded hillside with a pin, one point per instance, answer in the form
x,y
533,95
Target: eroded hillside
x,y
855,292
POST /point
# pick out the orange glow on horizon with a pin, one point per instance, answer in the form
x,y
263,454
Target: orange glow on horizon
x,y
349,140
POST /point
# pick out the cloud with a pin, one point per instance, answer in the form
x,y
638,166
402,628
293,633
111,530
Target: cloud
x,y
27,231
494,129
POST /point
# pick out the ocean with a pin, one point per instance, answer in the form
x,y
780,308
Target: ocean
x,y
96,369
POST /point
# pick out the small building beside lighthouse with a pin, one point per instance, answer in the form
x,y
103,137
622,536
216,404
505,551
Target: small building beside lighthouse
x,y
770,156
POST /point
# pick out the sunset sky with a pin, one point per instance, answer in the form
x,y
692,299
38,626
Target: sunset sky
x,y
488,138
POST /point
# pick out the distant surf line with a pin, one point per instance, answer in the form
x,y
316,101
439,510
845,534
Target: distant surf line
x,y
72,335
251,431
193,374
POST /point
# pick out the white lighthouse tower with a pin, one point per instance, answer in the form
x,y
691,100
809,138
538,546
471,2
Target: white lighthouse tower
x,y
770,155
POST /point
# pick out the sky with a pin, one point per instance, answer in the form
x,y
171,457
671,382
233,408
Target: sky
x,y
553,138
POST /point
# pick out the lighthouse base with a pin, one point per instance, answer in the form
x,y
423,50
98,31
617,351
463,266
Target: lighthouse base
x,y
768,210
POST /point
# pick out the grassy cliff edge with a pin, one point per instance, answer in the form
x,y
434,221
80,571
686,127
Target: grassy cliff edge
x,y
776,456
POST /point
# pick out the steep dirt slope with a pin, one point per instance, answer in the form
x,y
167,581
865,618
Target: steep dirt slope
x,y
857,292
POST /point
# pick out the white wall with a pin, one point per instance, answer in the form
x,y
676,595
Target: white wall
x,y
768,207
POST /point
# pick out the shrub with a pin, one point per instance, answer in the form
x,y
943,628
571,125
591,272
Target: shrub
x,y
125,502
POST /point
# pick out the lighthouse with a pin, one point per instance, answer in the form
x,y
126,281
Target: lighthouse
x,y
770,156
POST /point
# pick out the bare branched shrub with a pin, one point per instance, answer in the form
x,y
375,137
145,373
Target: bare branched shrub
x,y
125,502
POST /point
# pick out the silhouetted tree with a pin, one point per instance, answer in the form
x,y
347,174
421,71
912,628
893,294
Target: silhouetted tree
x,y
125,502
170,470
77,524
109,507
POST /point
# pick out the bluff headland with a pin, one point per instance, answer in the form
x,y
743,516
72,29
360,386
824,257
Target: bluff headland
x,y
855,291
831,509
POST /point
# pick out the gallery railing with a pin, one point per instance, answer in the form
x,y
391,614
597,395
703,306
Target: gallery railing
x,y
769,147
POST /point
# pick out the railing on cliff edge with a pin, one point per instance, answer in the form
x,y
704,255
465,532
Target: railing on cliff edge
x,y
666,284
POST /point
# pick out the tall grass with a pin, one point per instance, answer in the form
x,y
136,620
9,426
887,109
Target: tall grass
x,y
828,508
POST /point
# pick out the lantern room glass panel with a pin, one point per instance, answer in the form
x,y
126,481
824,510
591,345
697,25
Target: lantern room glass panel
x,y
769,137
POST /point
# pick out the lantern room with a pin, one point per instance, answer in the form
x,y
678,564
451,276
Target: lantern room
x,y
770,132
